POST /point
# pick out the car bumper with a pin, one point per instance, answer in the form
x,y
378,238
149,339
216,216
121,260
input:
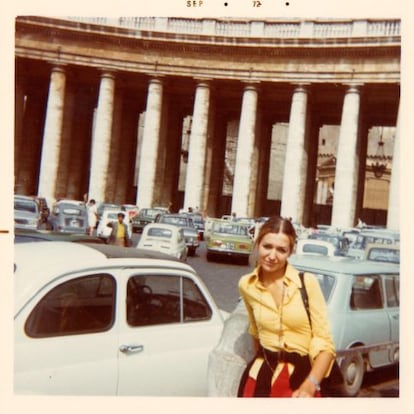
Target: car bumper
x,y
225,252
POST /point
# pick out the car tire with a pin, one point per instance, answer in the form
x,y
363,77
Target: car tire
x,y
209,256
353,369
191,251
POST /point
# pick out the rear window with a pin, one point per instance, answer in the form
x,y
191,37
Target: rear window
x,y
228,228
315,249
165,233
72,211
78,306
25,205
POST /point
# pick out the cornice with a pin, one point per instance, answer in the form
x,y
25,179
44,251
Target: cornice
x,y
197,43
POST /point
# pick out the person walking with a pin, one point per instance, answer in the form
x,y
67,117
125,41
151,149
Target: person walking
x,y
92,216
293,353
120,234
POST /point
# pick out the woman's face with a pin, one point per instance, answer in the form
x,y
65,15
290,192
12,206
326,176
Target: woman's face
x,y
273,252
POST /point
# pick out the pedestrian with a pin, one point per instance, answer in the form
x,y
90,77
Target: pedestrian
x,y
92,216
44,223
292,356
120,234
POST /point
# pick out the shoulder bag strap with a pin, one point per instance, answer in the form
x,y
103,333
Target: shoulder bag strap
x,y
305,297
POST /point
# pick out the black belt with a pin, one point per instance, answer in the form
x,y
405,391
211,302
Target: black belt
x,y
273,357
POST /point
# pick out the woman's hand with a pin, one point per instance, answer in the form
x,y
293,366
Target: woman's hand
x,y
306,390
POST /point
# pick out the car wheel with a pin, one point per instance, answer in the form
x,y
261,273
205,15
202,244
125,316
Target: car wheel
x,y
191,251
209,256
353,369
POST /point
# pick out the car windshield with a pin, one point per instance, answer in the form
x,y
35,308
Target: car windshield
x,y
364,239
25,205
229,228
380,254
151,212
164,233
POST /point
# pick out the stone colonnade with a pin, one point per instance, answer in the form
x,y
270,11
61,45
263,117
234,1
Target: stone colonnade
x,y
158,148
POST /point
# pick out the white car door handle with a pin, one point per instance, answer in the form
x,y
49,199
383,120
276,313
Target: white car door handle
x,y
129,349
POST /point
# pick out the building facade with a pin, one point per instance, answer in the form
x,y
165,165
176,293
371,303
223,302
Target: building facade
x,y
156,110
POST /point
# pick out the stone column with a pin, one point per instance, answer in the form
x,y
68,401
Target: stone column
x,y
393,217
347,164
150,143
101,138
53,134
243,193
294,177
194,185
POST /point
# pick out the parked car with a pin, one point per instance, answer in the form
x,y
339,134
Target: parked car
x,y
365,237
106,206
387,253
99,319
191,235
363,301
109,216
69,216
24,236
229,239
315,247
27,213
145,216
199,223
131,209
164,238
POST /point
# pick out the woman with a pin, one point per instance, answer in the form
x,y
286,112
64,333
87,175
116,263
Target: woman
x,y
291,357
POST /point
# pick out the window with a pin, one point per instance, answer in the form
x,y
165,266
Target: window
x,y
313,248
159,232
157,299
82,305
392,290
366,293
326,282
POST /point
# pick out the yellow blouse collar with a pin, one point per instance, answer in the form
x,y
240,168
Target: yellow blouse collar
x,y
291,277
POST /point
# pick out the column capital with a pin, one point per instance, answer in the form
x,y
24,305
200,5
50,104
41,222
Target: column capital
x,y
57,67
109,74
252,86
205,82
156,80
301,87
353,87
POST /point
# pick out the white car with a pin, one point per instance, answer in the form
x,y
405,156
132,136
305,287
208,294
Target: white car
x,y
105,320
164,238
109,216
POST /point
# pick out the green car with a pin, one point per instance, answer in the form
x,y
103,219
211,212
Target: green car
x,y
146,216
229,239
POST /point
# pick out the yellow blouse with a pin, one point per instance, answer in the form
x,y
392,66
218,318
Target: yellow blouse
x,y
120,231
287,327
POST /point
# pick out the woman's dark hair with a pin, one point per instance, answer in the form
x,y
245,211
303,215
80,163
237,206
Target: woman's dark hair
x,y
277,224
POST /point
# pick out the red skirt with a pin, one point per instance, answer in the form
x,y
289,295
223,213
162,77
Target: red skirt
x,y
273,376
